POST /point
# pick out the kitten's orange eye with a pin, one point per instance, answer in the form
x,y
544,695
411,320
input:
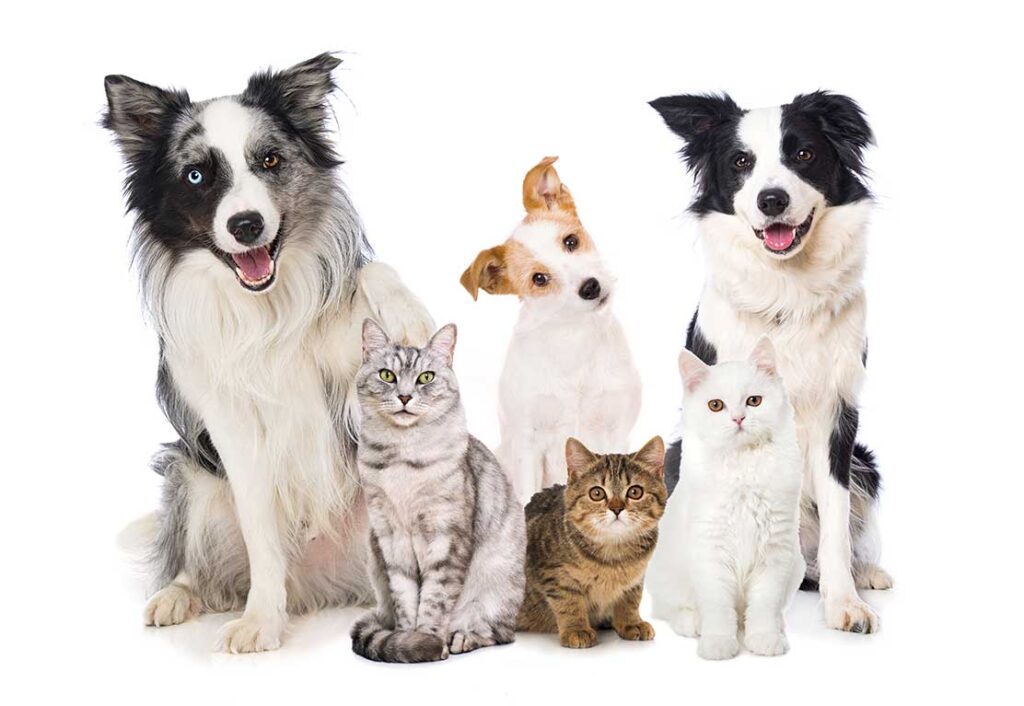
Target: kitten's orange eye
x,y
716,405
596,493
635,492
753,400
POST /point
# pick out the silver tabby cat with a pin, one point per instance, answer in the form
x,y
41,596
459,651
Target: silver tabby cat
x,y
447,535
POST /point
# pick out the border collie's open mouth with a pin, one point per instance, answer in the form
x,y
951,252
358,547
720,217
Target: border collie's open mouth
x,y
783,238
256,269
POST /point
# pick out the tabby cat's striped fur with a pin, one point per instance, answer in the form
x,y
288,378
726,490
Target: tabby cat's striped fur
x,y
447,536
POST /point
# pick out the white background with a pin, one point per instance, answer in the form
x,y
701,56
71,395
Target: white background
x,y
445,112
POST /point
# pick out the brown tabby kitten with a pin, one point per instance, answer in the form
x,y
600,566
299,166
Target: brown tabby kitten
x,y
588,544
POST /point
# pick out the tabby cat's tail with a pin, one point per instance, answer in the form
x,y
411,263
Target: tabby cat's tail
x,y
370,639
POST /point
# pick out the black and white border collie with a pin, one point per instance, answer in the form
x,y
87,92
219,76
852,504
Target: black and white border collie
x,y
782,209
254,271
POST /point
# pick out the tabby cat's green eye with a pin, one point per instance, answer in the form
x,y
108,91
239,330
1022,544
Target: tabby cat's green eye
x,y
386,375
425,377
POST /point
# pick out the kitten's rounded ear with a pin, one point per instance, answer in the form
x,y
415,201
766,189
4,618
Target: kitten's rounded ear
x,y
652,455
442,343
374,338
578,457
692,369
763,356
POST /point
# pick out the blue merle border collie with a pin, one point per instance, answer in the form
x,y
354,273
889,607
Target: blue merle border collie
x,y
255,274
782,209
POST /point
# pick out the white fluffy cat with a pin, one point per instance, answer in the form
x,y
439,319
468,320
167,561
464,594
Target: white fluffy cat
x,y
729,555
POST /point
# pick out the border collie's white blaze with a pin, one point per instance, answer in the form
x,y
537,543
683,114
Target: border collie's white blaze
x,y
782,210
254,270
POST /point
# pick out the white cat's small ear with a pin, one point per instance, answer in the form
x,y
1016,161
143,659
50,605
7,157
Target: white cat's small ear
x,y
374,338
692,369
763,356
578,457
442,343
652,455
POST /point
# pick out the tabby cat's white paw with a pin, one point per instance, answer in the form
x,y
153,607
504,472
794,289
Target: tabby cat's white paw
x,y
250,634
718,646
171,605
768,644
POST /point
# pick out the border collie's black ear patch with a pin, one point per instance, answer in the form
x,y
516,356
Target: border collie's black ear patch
x,y
298,98
842,123
137,112
698,119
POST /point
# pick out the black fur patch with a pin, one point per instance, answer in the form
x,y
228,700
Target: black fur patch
x,y
840,447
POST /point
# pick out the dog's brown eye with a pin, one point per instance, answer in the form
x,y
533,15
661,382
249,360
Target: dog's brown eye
x,y
635,492
271,161
596,493
742,161
571,242
716,405
753,400
804,155
540,279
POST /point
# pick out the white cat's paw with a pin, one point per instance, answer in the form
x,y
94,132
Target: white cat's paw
x,y
250,634
768,644
171,605
718,646
685,623
874,577
850,614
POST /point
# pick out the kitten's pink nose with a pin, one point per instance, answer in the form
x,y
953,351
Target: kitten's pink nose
x,y
738,420
405,399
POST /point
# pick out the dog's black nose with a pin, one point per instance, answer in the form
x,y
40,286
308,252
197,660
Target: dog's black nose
x,y
246,226
772,202
591,289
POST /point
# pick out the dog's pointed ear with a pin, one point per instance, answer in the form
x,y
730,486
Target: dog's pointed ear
x,y
442,343
137,112
543,191
298,95
842,122
692,369
488,272
696,119
578,458
652,455
374,338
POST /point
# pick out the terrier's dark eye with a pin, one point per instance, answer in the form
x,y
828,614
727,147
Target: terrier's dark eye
x,y
743,161
571,242
804,155
540,279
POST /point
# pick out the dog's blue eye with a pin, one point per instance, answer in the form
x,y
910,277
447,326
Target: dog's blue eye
x,y
195,177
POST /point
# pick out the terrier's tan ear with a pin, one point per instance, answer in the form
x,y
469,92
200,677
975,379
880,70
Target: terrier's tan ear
x,y
653,455
488,272
578,457
543,191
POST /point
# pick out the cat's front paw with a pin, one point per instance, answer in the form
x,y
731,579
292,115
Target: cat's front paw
x,y
251,634
461,642
850,614
718,646
685,623
578,639
768,644
635,631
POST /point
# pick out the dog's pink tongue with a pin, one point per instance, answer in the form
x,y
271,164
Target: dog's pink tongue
x,y
779,237
255,264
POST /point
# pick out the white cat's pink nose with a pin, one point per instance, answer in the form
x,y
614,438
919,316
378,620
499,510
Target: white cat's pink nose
x,y
738,420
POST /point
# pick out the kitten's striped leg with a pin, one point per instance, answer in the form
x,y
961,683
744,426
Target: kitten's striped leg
x,y
569,605
626,617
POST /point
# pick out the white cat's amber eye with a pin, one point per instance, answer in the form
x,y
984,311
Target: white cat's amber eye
x,y
386,375
753,400
425,377
596,493
716,405
635,492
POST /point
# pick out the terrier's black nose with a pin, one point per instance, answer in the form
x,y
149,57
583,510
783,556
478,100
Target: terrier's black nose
x,y
591,289
772,202
405,399
246,226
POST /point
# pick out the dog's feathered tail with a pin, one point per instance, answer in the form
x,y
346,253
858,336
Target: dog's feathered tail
x,y
370,639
